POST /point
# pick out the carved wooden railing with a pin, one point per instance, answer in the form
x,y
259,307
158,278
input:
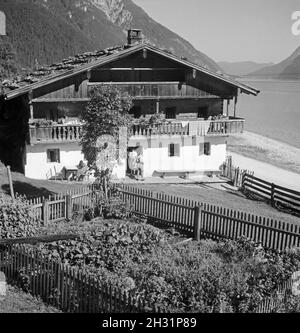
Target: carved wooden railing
x,y
73,133
55,133
170,129
222,127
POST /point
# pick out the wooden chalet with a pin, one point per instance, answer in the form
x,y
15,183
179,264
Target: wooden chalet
x,y
39,114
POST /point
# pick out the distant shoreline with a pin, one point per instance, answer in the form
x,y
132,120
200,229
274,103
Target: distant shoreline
x,y
266,150
265,79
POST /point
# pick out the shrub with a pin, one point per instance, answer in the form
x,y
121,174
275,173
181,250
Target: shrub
x,y
17,218
114,207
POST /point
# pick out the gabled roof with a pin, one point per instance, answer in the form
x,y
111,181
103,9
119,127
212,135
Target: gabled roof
x,y
89,60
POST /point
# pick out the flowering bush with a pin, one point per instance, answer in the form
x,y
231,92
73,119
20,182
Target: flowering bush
x,y
17,218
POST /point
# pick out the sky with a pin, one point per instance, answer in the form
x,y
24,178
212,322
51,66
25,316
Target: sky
x,y
231,30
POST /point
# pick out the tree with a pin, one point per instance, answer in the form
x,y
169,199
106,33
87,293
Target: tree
x,y
106,112
8,65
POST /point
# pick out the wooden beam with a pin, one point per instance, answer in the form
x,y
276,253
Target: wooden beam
x,y
145,53
38,239
30,97
89,74
135,69
134,83
194,73
157,106
235,102
60,100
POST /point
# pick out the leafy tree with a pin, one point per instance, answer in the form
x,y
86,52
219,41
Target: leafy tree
x,y
106,112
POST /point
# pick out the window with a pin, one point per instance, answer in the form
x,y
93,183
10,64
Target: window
x,y
136,111
207,148
53,156
203,112
171,113
174,150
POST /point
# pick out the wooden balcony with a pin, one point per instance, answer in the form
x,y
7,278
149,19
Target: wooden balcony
x,y
72,133
222,127
55,133
199,128
171,129
153,90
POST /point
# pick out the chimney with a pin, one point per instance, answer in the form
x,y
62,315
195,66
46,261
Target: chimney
x,y
135,36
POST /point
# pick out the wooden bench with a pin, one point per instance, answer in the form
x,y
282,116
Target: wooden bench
x,y
180,173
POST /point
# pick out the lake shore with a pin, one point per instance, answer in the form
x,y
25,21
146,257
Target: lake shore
x,y
270,151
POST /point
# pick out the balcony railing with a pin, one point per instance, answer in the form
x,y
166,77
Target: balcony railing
x,y
171,129
73,133
221,127
55,133
141,90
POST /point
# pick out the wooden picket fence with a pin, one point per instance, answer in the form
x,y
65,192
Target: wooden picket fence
x,y
191,218
234,174
203,220
278,196
65,287
275,301
60,207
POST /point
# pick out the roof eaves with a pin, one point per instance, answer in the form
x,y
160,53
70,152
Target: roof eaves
x,y
232,81
69,73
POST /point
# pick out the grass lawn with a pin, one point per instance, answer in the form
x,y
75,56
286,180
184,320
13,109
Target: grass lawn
x,y
201,192
18,301
34,187
225,197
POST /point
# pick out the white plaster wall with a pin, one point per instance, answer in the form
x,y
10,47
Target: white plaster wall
x,y
37,167
156,158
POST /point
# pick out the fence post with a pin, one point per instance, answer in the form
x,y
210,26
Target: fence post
x,y
197,223
45,211
11,187
244,175
273,195
69,208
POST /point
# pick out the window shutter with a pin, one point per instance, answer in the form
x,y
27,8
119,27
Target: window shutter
x,y
201,149
207,148
177,150
169,149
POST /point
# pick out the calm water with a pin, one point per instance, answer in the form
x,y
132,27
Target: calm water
x,y
275,112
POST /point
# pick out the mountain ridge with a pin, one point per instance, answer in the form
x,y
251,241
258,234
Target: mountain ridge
x,y
289,68
241,68
47,31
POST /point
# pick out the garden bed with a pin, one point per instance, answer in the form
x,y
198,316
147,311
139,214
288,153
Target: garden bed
x,y
174,275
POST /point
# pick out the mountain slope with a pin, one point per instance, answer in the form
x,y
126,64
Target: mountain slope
x,y
242,68
8,65
286,69
50,30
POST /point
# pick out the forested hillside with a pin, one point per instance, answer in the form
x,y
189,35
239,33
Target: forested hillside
x,y
47,31
8,65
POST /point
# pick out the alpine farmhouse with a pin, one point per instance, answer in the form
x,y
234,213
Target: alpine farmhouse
x,y
40,127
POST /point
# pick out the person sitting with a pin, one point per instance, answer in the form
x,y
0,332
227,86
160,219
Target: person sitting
x,y
82,171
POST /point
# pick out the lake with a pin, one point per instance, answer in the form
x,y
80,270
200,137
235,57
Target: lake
x,y
275,112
